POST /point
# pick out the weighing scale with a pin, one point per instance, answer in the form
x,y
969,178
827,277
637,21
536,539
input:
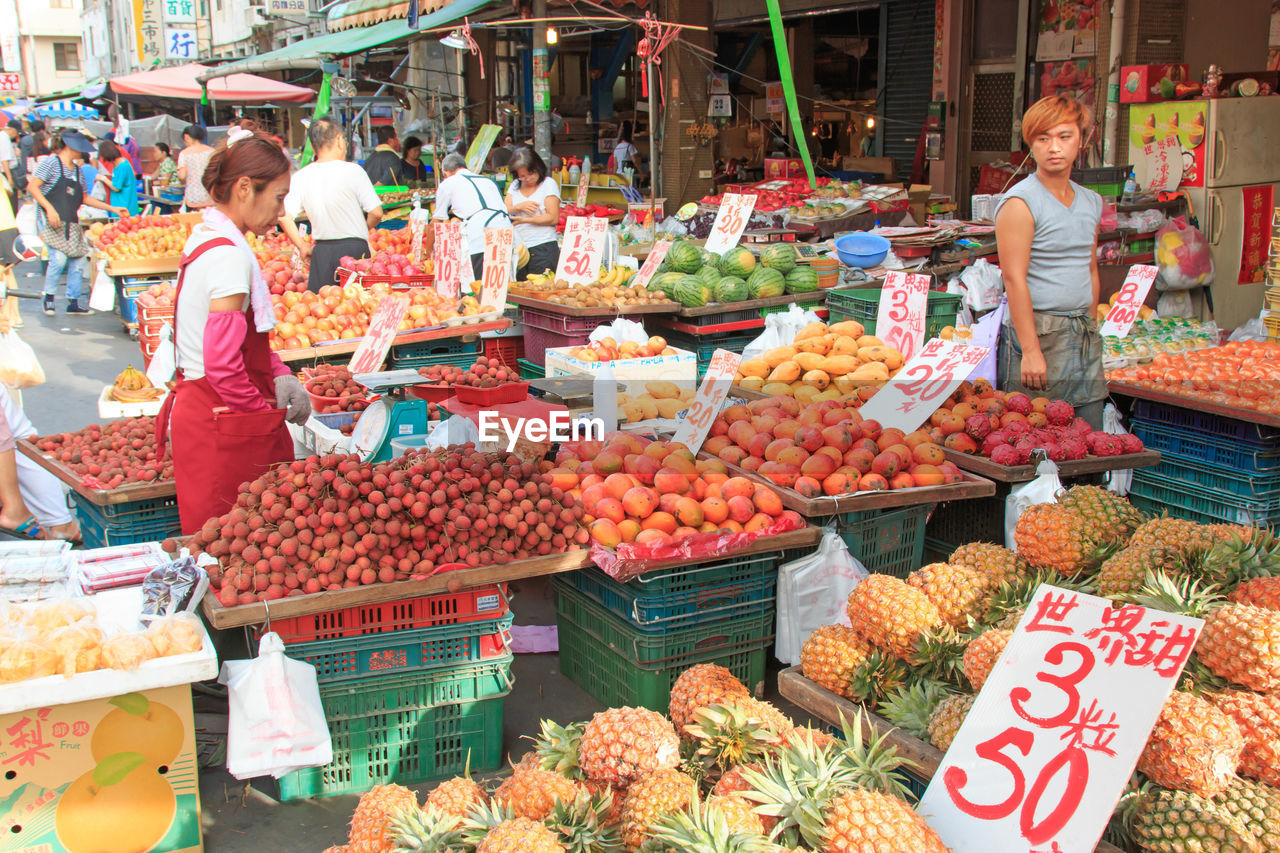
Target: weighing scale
x,y
395,415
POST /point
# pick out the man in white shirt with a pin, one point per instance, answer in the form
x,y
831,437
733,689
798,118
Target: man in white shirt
x,y
339,199
475,200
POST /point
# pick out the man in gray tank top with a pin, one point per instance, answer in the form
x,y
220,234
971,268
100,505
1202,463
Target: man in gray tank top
x,y
1047,234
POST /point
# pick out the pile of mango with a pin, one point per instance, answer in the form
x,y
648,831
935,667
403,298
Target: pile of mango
x,y
823,363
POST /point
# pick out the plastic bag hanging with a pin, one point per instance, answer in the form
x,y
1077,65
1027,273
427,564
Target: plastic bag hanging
x,y
1043,489
1120,479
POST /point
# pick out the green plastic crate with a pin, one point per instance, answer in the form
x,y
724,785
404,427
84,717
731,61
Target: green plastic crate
x,y
889,541
649,650
529,370
956,523
862,304
615,681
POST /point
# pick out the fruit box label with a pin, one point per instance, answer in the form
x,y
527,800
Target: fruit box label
x,y
488,602
1047,749
122,769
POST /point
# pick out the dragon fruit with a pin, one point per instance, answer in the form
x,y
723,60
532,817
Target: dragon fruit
x,y
1018,402
1005,454
1059,412
1130,443
1105,444
1025,447
978,427
1081,426
991,442
1016,429
1057,452
1074,448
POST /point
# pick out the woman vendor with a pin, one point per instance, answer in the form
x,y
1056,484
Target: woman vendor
x,y
226,416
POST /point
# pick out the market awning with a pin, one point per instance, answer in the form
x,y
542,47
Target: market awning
x,y
92,89
363,13
180,83
65,109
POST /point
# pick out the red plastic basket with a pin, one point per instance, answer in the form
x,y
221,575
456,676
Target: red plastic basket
x,y
397,282
507,392
428,611
432,393
150,321
509,351
325,405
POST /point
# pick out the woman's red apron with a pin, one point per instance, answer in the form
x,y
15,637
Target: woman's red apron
x,y
215,450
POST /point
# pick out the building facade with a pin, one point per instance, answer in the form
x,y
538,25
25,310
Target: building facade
x,y
40,41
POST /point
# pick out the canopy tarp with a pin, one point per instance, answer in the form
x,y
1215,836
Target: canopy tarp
x,y
65,109
148,131
179,82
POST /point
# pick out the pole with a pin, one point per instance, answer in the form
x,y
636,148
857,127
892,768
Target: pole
x,y
1111,123
541,87
654,171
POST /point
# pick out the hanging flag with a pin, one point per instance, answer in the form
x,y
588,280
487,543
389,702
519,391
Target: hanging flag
x,y
789,86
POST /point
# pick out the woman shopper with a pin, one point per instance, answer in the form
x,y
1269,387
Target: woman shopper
x,y
534,203
226,417
116,174
167,170
1047,236
58,191
192,161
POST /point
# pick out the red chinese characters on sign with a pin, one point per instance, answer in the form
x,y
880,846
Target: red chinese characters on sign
x,y
1044,755
383,326
1164,164
731,221
10,82
909,398
448,258
1137,283
650,266
26,740
496,276
1258,202
583,245
900,317
710,397
388,659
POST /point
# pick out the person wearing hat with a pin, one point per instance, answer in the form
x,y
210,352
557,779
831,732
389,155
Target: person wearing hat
x,y
58,190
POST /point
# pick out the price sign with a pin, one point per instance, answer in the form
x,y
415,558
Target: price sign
x,y
580,253
497,267
1043,757
911,396
448,258
900,317
584,183
731,221
383,326
656,255
710,397
1164,164
1127,305
418,220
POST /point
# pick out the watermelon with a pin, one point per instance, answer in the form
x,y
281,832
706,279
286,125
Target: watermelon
x,y
684,258
737,262
802,279
731,289
709,275
666,282
690,291
765,282
708,256
780,257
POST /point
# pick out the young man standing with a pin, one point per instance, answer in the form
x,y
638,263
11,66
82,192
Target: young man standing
x,y
1047,234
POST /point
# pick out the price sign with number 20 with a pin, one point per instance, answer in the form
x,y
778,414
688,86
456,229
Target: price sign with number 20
x,y
706,403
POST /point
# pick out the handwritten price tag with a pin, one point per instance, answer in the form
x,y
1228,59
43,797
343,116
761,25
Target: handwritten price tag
x,y
1164,164
580,253
731,221
383,326
656,256
497,267
1132,294
448,258
910,397
900,317
710,397
418,221
584,184
1043,757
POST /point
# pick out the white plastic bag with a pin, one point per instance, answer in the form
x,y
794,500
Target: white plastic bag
x,y
1253,330
19,367
780,330
103,295
277,722
981,285
621,330
1120,479
1043,489
162,366
449,432
812,592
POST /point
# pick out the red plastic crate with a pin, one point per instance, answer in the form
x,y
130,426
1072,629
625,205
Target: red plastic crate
x,y
509,351
507,392
428,611
538,341
436,393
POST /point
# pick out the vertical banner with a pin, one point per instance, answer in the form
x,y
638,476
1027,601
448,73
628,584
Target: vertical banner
x,y
478,153
147,27
10,52
1258,202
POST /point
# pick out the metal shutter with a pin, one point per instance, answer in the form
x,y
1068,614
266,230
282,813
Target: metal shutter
x,y
908,80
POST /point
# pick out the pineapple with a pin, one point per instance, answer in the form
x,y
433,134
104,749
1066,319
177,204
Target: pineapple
x,y
891,614
584,824
1193,747
699,686
1158,545
533,793
738,813
996,562
946,719
1258,717
520,835
909,707
427,831
378,807
958,592
878,676
1236,555
341,848
705,828
1109,518
729,735
557,746
1257,806
1181,822
1052,537
831,655
621,744
982,654
865,821
1258,592
732,782
768,714
649,798
456,796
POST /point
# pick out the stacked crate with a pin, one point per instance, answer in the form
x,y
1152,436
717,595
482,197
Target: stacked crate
x,y
147,520
626,643
412,689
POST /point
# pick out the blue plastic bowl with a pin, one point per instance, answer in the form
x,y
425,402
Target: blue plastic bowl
x,y
861,249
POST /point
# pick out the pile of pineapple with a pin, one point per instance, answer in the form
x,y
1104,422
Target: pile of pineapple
x,y
919,650
724,773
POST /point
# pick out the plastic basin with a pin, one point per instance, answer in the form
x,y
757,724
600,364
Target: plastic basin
x,y
405,443
861,249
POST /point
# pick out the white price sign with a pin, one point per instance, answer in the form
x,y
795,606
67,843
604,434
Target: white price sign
x,y
497,267
731,221
448,258
1055,734
656,256
419,221
900,317
908,399
1127,305
1164,164
584,184
383,326
581,250
707,402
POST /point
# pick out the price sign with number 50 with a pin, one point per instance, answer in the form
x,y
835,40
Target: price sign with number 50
x,y
900,317
582,248
1128,303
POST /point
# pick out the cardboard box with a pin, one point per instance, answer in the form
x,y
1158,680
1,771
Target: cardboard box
x,y
783,167
630,373
872,165
122,769
1150,84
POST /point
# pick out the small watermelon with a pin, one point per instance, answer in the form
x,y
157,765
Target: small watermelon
x,y
709,274
684,258
802,279
731,289
738,262
708,256
780,257
690,291
765,282
665,282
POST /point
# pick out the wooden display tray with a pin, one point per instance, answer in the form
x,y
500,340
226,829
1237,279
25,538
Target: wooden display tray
x,y
972,486
1075,468
1248,415
765,302
830,708
413,336
603,311
100,497
144,266
303,605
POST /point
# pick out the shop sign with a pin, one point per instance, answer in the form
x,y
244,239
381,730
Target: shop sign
x,y
496,277
656,256
718,83
908,399
286,7
583,245
584,183
1044,756
720,106
180,43
774,100
706,403
731,221
448,258
1258,202
147,15
900,316
10,82
179,11
10,53
384,324
1127,305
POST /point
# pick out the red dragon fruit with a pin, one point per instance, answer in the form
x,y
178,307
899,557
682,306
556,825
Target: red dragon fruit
x,y
1059,412
978,427
1130,443
1005,454
1057,452
1018,402
1016,429
1080,426
991,442
1025,448
1075,448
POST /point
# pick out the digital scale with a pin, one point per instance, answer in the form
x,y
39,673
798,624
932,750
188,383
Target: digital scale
x,y
395,415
